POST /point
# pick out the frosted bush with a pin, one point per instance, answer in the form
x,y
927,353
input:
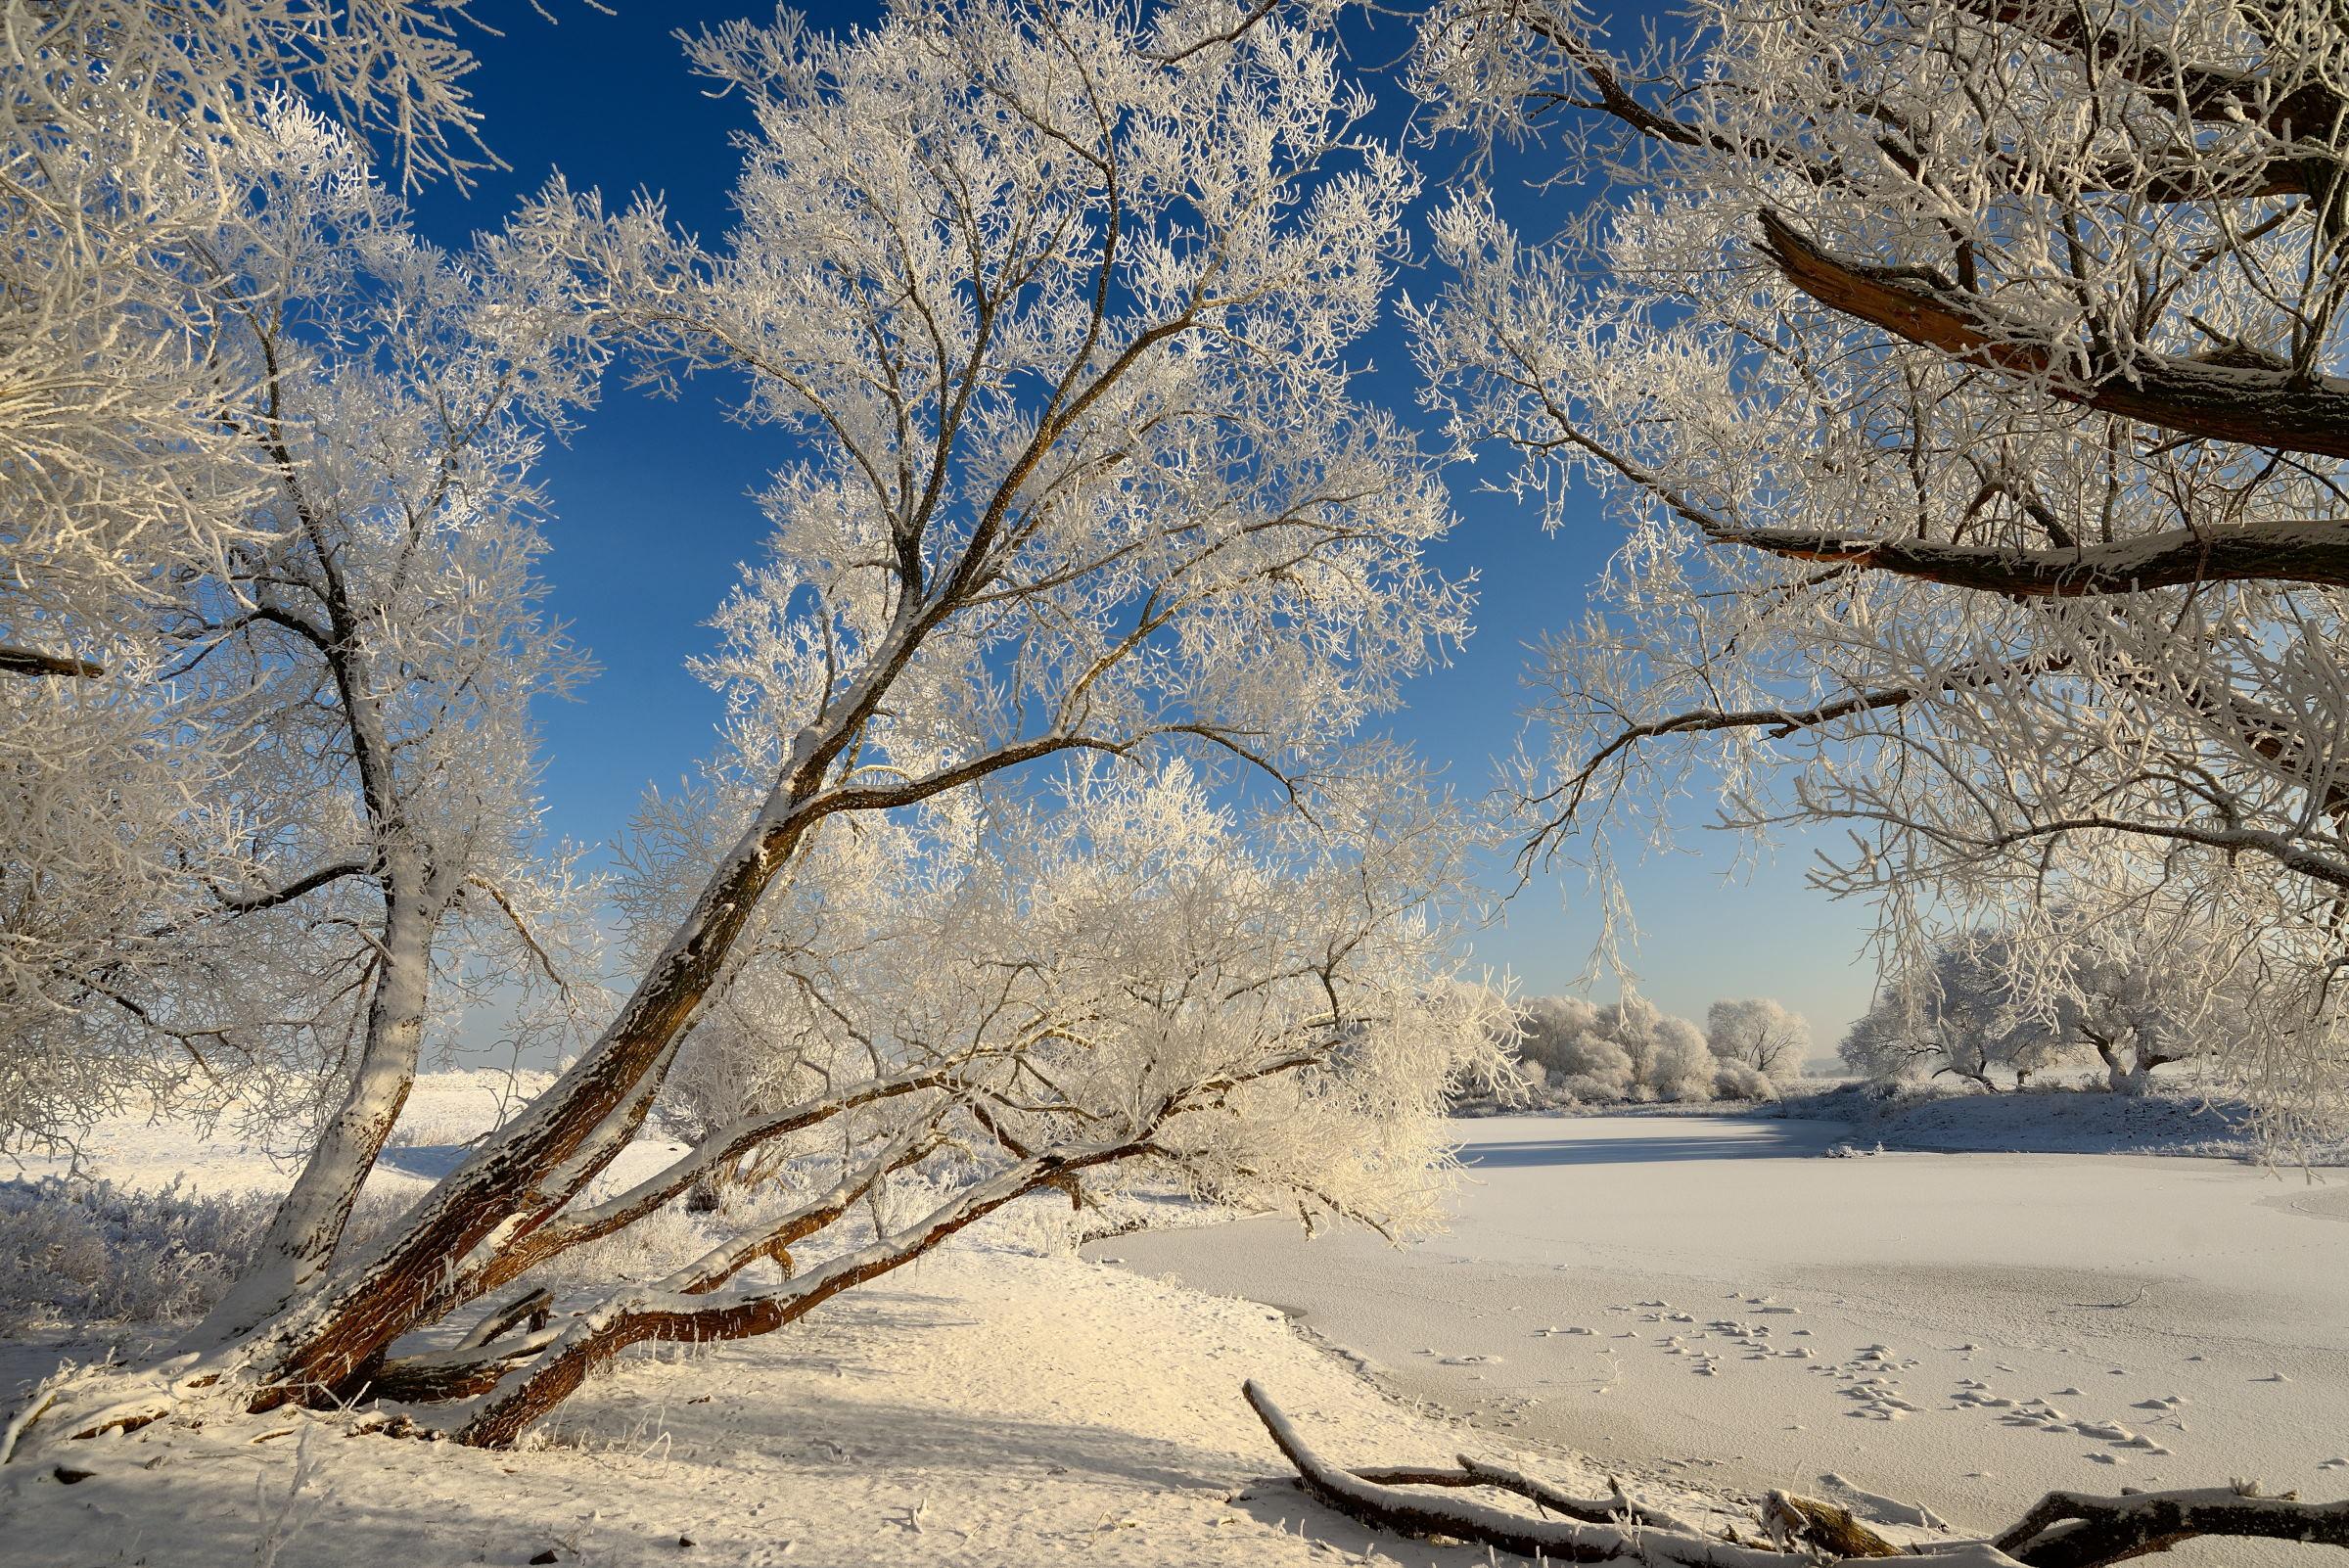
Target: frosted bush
x,y
93,1252
650,1249
1669,1055
83,1252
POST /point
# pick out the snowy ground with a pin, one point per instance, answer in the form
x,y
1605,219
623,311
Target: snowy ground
x,y
1962,1330
442,1110
987,1406
991,1408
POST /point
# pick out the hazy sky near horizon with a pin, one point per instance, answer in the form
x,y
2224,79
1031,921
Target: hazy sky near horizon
x,y
652,516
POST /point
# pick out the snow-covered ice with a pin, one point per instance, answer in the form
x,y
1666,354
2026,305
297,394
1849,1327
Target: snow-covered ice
x,y
1946,1299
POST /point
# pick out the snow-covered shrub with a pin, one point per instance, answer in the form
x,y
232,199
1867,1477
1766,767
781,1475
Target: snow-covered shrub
x,y
648,1250
1669,1055
1741,1080
90,1252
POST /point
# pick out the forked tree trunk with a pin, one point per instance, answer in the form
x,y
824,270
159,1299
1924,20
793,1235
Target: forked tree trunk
x,y
523,1175
2128,1071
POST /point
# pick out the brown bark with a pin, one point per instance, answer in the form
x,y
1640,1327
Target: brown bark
x,y
2312,553
28,662
1830,1531
2267,408
2072,1530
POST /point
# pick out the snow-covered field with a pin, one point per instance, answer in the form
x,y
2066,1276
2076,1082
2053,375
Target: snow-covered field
x,y
989,1406
1962,1330
1701,1304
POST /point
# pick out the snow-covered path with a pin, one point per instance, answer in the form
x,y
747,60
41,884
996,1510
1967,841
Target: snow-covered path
x,y
1965,1329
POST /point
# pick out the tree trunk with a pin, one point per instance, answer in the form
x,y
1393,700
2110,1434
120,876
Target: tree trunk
x,y
525,1173
308,1225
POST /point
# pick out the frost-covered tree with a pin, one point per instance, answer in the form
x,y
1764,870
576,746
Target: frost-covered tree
x,y
1968,377
1761,1032
1049,318
119,436
326,726
2159,987
1625,1050
1961,1013
192,227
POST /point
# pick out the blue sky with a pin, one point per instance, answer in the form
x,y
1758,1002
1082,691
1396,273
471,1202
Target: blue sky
x,y
652,516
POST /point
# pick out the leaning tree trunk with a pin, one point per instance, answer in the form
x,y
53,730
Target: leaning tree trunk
x,y
519,1178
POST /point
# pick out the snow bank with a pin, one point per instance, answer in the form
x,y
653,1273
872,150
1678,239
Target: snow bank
x,y
2056,1119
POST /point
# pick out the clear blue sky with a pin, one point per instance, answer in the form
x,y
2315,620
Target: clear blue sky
x,y
652,516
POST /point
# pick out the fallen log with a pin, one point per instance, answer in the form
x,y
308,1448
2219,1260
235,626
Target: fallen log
x,y
2063,1529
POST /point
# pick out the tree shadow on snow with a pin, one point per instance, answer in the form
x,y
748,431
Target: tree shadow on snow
x,y
431,1161
1769,1144
1277,1503
788,1419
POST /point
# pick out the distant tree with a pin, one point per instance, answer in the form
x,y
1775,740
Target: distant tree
x,y
1959,1014
1625,1050
2144,992
1761,1032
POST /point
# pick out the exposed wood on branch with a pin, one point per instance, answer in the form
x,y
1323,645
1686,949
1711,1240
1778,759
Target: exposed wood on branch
x,y
2073,1530
1825,1528
2254,407
2313,553
26,661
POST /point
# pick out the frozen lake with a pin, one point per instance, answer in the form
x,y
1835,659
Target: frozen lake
x,y
1962,1330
